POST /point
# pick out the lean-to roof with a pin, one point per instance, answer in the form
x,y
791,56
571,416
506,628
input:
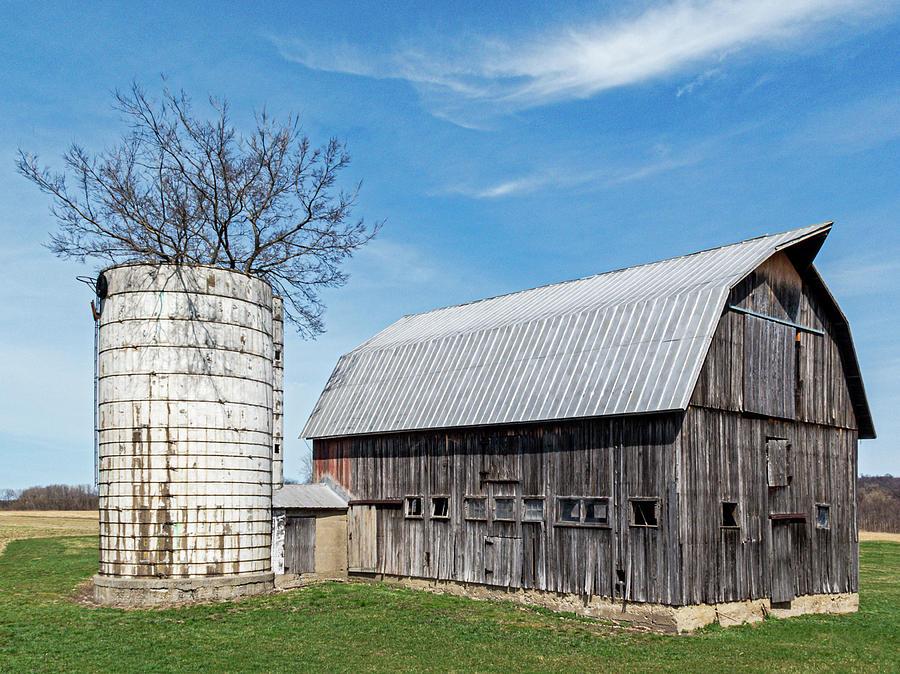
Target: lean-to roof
x,y
624,342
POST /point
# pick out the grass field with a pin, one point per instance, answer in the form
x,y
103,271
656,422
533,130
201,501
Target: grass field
x,y
374,627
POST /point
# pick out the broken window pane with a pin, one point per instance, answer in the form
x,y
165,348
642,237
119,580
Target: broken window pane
x,y
475,509
440,507
504,509
729,514
823,519
533,510
413,506
643,513
569,510
596,511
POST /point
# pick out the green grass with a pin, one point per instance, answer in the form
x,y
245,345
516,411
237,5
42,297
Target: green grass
x,y
366,627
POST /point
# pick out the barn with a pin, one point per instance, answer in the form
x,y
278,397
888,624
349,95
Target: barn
x,y
669,444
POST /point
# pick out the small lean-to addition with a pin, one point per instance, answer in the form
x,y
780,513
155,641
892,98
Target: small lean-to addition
x,y
669,444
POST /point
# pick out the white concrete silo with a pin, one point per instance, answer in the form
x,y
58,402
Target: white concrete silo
x,y
186,412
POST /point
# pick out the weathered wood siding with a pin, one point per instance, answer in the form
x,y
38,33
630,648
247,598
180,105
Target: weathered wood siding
x,y
617,459
724,459
762,381
749,354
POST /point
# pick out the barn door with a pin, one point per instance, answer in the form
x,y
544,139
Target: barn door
x,y
299,544
362,530
769,362
503,544
782,561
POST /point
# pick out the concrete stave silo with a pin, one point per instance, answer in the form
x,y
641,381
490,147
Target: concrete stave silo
x,y
186,414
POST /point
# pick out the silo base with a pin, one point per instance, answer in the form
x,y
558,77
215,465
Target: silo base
x,y
119,591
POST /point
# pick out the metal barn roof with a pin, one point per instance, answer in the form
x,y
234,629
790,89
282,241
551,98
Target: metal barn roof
x,y
309,496
623,342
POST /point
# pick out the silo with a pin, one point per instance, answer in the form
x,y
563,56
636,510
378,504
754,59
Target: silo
x,y
185,433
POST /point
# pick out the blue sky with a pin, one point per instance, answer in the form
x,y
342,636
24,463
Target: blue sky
x,y
508,145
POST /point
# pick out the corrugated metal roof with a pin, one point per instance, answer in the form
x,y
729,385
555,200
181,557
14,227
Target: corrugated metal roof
x,y
307,496
623,342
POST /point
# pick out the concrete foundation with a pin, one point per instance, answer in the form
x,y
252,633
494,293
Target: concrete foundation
x,y
656,617
118,591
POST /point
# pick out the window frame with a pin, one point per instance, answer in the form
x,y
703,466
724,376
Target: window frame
x,y
406,501
441,518
736,516
473,497
582,512
644,499
540,520
827,507
584,509
515,509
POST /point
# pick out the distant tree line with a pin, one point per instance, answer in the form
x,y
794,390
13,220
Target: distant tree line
x,y
879,500
879,503
51,497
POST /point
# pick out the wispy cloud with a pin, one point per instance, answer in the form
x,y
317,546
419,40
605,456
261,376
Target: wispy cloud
x,y
855,127
867,275
590,172
390,263
578,62
701,79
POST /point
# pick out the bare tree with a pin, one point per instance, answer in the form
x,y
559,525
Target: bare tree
x,y
179,189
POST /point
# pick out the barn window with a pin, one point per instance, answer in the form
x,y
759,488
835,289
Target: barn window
x,y
505,509
475,508
440,507
596,511
729,515
414,507
569,510
585,511
643,512
277,448
823,516
532,509
277,355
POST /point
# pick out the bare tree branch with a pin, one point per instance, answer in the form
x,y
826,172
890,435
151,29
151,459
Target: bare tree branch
x,y
186,190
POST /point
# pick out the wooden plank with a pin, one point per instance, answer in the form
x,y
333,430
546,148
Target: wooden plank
x,y
362,532
299,544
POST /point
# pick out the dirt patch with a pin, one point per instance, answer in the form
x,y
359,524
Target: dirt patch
x,y
878,536
15,524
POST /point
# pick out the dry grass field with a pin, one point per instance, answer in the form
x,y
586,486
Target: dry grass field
x,y
878,536
16,524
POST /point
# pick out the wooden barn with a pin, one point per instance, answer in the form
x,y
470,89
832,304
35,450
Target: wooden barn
x,y
670,444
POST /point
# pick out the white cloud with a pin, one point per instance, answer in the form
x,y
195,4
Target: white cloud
x,y
582,61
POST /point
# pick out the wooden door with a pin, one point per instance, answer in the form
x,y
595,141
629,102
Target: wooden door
x,y
781,561
362,532
299,544
769,375
503,544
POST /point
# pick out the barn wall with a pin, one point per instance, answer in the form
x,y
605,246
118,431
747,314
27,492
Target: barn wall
x,y
614,458
766,380
724,459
